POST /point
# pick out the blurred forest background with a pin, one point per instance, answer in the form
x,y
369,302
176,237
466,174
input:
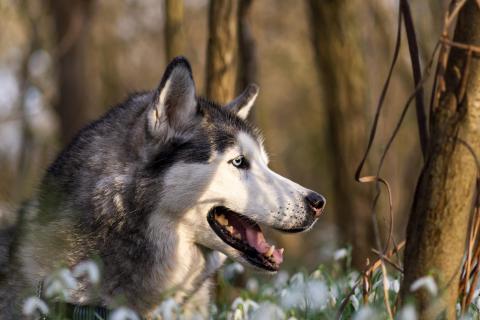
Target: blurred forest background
x,y
320,66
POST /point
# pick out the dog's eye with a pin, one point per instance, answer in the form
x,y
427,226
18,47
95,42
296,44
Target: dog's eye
x,y
240,162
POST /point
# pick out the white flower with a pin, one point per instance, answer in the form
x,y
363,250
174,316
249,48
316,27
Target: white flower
x,y
33,305
379,283
252,285
332,299
312,294
428,283
297,279
67,278
394,285
268,311
167,310
60,283
316,294
281,279
407,313
123,313
87,268
340,254
237,315
247,305
268,292
293,298
365,313
232,270
316,274
352,279
355,302
477,302
55,287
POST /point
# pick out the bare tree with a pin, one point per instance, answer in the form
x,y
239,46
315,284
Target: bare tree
x,y
174,33
222,50
72,21
437,228
341,68
247,49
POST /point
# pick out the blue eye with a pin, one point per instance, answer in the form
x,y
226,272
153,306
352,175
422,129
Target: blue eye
x,y
240,162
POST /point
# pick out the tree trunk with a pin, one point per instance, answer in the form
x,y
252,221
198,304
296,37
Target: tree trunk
x,y
438,224
222,50
72,22
335,36
247,49
174,34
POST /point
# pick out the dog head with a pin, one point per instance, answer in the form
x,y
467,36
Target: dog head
x,y
213,174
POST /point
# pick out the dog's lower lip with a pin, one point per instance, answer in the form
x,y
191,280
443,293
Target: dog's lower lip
x,y
244,235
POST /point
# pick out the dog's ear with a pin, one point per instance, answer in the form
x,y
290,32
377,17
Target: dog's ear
x,y
242,104
174,105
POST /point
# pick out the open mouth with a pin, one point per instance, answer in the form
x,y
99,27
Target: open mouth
x,y
246,236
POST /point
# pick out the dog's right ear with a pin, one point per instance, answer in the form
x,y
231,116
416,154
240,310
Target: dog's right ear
x,y
174,105
242,104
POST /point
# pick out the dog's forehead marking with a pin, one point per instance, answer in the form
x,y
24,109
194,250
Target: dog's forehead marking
x,y
251,147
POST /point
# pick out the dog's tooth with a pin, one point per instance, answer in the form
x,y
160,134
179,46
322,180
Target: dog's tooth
x,y
281,250
270,251
229,229
237,236
222,220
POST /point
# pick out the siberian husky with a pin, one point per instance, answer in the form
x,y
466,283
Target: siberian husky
x,y
161,190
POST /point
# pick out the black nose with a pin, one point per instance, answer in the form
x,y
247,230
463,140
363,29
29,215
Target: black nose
x,y
316,202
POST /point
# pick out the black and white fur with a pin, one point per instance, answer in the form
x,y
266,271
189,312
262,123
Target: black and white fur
x,y
134,188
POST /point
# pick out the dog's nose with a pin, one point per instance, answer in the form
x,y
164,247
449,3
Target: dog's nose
x,y
316,202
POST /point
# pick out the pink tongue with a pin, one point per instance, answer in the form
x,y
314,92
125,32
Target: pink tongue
x,y
256,240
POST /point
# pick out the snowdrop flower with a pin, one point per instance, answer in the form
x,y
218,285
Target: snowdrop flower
x,y
316,294
292,298
87,268
292,318
33,305
67,278
407,313
379,283
123,314
355,302
394,285
352,279
237,315
247,304
340,254
268,311
428,283
268,292
252,285
281,279
297,279
365,313
242,309
316,274
232,270
167,310
60,283
332,299
477,302
55,287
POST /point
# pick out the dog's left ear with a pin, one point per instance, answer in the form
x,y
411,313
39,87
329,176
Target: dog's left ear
x,y
174,105
242,104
